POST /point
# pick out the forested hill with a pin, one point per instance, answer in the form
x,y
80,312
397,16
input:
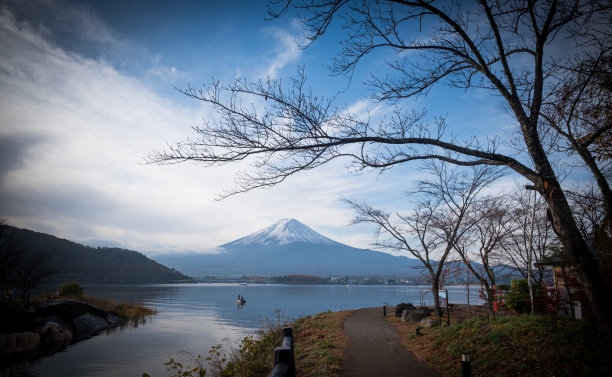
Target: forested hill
x,y
86,264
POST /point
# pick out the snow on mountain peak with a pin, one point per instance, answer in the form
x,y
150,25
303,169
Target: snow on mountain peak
x,y
283,232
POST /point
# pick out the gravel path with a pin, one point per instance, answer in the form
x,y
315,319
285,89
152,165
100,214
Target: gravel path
x,y
375,349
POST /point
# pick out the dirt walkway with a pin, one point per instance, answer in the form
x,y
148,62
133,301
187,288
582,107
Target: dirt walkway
x,y
375,349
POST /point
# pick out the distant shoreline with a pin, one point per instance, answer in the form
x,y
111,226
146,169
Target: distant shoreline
x,y
249,282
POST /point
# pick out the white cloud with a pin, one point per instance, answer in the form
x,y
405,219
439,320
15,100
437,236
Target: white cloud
x,y
286,52
78,129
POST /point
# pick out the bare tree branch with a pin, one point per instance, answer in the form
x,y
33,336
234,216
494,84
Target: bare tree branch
x,y
440,220
503,46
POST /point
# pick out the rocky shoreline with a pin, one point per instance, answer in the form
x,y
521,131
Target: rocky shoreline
x,y
46,328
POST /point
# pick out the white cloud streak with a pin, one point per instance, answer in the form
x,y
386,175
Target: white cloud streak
x,y
76,129
286,52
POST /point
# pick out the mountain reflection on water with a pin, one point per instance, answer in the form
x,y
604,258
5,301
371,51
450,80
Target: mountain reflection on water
x,y
194,317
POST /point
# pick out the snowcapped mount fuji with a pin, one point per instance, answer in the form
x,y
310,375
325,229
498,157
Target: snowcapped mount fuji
x,y
282,232
289,247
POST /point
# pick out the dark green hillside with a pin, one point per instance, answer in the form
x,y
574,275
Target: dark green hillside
x,y
97,265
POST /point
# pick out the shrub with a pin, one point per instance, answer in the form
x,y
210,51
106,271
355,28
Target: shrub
x,y
70,288
518,298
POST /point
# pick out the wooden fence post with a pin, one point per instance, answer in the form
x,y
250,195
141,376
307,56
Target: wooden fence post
x,y
288,338
284,358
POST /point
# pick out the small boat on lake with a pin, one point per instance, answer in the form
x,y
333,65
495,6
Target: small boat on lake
x,y
240,300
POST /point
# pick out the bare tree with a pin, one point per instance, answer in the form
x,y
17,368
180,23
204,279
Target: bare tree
x,y
34,269
505,47
439,220
11,254
21,267
588,207
483,242
527,233
580,113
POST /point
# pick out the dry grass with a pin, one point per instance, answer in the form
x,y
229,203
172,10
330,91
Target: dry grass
x,y
422,345
319,343
126,310
511,345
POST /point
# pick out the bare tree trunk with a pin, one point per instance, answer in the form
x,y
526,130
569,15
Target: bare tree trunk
x,y
530,256
581,258
467,288
435,289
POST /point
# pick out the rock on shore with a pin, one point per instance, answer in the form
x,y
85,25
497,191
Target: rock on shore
x,y
50,326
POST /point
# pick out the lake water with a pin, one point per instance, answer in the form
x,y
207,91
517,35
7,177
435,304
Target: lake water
x,y
194,317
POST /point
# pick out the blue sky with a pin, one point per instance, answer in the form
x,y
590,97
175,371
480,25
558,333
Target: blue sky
x,y
87,91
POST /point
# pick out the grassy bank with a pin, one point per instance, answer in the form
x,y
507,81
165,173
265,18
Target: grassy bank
x,y
514,345
318,343
126,310
131,312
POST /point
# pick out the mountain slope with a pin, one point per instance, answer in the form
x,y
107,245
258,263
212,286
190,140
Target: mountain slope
x,y
97,265
283,232
289,247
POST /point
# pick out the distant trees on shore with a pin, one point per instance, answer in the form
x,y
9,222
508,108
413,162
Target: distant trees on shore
x,y
21,268
28,259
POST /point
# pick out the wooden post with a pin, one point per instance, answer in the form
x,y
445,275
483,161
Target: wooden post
x,y
288,338
284,358
287,332
466,369
280,368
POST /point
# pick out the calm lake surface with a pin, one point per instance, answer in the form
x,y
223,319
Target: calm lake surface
x,y
193,317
